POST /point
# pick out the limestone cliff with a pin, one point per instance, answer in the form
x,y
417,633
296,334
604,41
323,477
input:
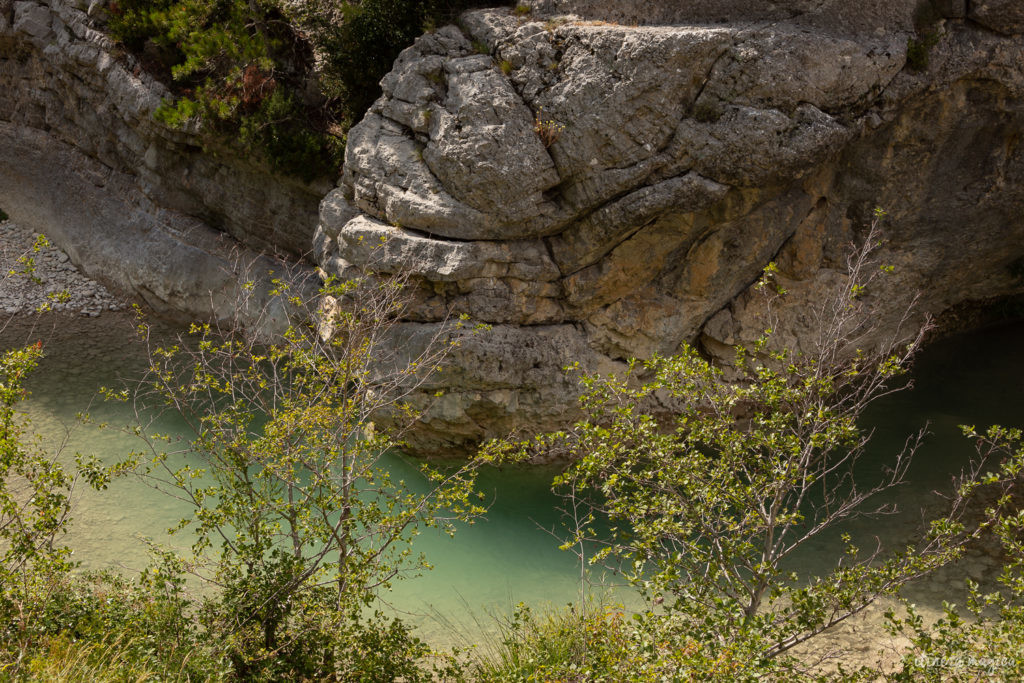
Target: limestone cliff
x,y
133,203
598,189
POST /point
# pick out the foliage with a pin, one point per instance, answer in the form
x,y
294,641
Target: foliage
x,y
919,49
711,486
284,80
989,642
103,627
3,215
360,40
240,67
34,489
606,644
35,508
294,579
52,621
548,130
928,30
297,519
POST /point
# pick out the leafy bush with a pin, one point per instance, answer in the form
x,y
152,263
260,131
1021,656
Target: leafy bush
x,y
283,81
53,622
987,643
603,643
298,520
707,499
103,627
242,69
919,50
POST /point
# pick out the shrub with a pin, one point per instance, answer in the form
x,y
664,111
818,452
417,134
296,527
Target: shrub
x,y
297,518
100,626
548,130
918,50
606,643
988,642
240,67
706,499
283,82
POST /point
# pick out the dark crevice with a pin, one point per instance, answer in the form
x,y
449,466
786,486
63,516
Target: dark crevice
x,y
551,255
745,287
625,238
418,232
711,70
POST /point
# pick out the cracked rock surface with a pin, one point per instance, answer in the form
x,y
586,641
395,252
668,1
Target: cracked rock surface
x,y
604,180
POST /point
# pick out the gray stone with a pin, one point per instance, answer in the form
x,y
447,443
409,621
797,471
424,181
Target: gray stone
x,y
686,156
1005,16
32,19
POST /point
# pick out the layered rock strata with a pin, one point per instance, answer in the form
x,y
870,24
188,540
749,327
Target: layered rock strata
x,y
598,191
133,203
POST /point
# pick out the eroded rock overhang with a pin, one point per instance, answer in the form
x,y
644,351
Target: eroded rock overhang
x,y
598,191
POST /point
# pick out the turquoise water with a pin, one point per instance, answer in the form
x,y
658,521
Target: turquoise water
x,y
489,566
509,556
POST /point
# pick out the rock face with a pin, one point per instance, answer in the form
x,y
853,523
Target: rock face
x,y
133,203
598,190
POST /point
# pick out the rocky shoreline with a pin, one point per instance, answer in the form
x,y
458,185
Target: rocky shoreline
x,y
55,284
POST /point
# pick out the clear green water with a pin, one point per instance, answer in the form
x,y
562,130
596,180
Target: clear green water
x,y
508,557
485,570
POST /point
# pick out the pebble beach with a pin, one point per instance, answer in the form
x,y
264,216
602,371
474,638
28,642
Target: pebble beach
x,y
55,282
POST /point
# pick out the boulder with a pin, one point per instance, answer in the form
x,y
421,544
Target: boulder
x,y
607,180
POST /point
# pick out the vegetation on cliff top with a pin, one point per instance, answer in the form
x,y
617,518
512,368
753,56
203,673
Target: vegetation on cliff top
x,y
283,80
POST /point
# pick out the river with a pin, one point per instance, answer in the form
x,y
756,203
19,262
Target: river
x,y
510,556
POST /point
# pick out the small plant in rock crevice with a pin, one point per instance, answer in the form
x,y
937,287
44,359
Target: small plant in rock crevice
x,y
548,130
919,51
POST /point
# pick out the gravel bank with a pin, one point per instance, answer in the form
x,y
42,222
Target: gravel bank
x,y
56,281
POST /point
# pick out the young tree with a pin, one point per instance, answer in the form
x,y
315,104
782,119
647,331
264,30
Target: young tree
x,y
297,519
35,489
988,642
37,485
710,486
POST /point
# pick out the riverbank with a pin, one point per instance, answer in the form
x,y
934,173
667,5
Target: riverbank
x,y
31,280
494,564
